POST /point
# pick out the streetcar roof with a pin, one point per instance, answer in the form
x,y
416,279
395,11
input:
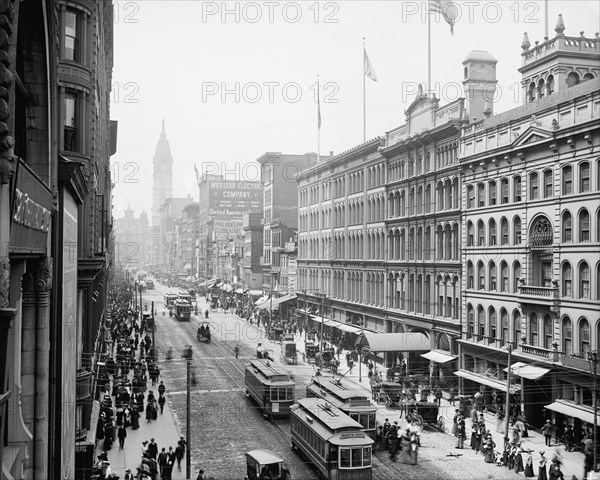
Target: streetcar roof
x,y
327,415
263,457
270,372
339,388
344,439
358,404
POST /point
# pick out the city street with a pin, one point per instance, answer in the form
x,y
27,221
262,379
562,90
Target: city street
x,y
225,423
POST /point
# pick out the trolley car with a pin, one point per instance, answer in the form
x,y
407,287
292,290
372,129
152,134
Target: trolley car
x,y
336,444
343,395
170,300
270,387
182,310
203,332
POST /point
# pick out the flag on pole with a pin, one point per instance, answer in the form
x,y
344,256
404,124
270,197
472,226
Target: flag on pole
x,y
448,9
369,70
318,106
197,175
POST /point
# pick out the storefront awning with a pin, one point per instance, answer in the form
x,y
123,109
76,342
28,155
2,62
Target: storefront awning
x,y
220,284
209,283
439,356
239,290
227,287
255,293
527,371
490,382
572,410
394,342
261,300
274,304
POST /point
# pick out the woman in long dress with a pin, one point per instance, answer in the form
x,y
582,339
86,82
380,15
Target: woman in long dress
x,y
542,468
488,451
519,460
529,467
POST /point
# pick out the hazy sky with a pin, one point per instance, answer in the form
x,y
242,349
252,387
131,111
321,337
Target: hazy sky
x,y
234,80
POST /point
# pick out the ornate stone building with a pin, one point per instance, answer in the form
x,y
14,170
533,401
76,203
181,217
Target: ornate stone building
x,y
55,228
162,188
531,237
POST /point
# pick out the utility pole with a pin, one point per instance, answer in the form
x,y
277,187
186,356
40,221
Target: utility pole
x,y
188,457
305,314
507,404
153,329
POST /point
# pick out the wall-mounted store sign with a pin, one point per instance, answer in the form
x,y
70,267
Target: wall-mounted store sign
x,y
31,213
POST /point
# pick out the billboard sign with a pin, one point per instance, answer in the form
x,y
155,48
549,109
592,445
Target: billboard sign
x,y
229,199
224,229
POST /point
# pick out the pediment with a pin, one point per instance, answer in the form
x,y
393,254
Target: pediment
x,y
533,134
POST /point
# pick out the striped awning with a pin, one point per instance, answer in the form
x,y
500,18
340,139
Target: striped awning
x,y
395,342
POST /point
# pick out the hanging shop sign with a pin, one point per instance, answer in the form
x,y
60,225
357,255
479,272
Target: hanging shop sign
x,y
31,215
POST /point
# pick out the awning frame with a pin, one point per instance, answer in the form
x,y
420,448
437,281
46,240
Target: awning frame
x,y
572,410
490,382
439,356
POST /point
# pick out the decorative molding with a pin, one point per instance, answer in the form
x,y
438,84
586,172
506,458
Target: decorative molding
x,y
4,282
43,278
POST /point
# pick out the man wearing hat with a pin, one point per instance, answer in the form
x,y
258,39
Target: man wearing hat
x,y
128,475
200,475
547,431
153,449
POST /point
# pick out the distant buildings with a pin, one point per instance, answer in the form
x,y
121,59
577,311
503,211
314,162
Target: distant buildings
x,y
133,240
162,189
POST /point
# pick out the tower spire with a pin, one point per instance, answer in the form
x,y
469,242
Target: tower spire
x,y
163,133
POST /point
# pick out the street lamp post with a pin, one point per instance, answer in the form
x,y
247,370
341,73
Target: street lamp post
x,y
188,457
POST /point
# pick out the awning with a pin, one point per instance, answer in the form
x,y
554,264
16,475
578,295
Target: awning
x,y
490,382
268,303
344,327
220,284
572,410
527,371
188,266
439,356
239,290
209,283
255,293
395,342
227,287
261,300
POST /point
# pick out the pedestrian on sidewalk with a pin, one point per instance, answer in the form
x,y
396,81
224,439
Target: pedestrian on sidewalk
x,y
162,461
569,436
179,456
122,434
350,364
161,388
542,468
128,475
588,462
461,432
153,449
182,443
547,431
161,403
236,350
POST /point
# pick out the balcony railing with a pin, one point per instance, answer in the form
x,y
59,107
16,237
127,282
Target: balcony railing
x,y
536,351
539,295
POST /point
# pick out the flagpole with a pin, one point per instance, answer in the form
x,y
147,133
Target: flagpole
x,y
364,95
429,48
319,125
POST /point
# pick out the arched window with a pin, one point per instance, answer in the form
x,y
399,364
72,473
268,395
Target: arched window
x,y
567,336
480,276
541,88
493,232
548,184
504,277
550,85
470,234
531,92
584,177
516,327
517,188
584,280
533,329
504,190
584,226
480,234
504,231
470,275
480,321
503,325
572,79
470,320
584,337
534,186
548,333
481,195
567,280
492,191
493,332
516,276
567,180
492,283
567,227
588,76
542,233
517,230
470,196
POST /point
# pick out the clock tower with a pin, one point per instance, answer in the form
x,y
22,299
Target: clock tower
x,y
162,176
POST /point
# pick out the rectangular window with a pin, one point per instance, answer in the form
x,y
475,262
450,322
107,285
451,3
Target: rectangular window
x,y
471,197
567,181
585,178
517,189
504,191
548,190
70,122
533,187
493,193
71,36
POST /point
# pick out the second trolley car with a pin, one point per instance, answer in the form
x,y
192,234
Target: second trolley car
x,y
337,445
345,396
270,387
182,310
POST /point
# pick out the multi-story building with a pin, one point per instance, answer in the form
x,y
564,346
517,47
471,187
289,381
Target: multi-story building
x,y
278,173
162,189
133,245
189,236
170,217
253,237
531,238
222,203
55,144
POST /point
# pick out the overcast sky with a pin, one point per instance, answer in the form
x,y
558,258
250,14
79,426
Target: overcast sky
x,y
234,80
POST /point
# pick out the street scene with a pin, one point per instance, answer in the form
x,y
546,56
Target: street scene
x,y
327,240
